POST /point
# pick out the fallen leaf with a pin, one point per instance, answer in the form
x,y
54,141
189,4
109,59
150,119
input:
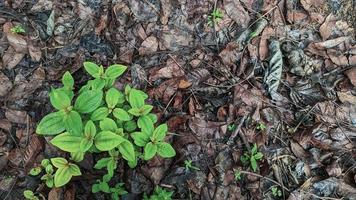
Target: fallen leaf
x,y
172,69
42,5
237,12
34,147
16,116
35,52
332,42
184,84
347,97
351,74
5,84
11,58
327,27
148,46
55,194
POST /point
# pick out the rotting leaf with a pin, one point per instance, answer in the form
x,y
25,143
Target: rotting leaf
x,y
273,74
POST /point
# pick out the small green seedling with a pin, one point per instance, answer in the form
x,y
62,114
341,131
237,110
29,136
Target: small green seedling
x,y
261,126
231,127
276,192
48,177
101,119
188,164
17,29
252,157
237,175
215,17
159,194
29,195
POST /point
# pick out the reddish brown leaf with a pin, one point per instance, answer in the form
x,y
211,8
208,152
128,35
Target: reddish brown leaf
x,y
148,46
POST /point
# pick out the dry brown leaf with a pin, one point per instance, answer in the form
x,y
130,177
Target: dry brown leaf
x,y
332,43
16,116
11,58
337,57
5,84
327,27
231,54
172,69
42,5
263,47
148,46
17,41
237,12
55,194
34,147
351,74
102,24
312,5
184,84
347,97
35,52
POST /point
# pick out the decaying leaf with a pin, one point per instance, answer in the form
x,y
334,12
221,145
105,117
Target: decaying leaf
x,y
273,74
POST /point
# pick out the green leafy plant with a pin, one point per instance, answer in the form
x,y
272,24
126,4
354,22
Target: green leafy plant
x,y
214,17
237,175
276,192
17,29
231,127
102,119
159,194
252,157
115,192
261,126
48,177
29,195
188,164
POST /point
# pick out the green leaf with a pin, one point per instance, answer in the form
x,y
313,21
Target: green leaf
x,y
68,80
66,142
112,97
258,156
59,162
51,124
146,109
88,101
136,99
59,99
68,92
165,150
85,144
111,167
45,162
145,124
35,171
140,138
89,130
153,117
102,163
121,114
160,132
108,124
93,69
97,84
50,182
99,114
62,176
74,169
49,169
104,187
253,164
114,71
28,194
73,123
254,149
149,151
77,156
95,188
107,140
135,111
127,150
130,126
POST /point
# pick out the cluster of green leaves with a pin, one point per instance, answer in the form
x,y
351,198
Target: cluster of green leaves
x,y
215,16
17,29
261,126
115,192
231,127
29,195
237,175
48,177
103,119
252,157
188,164
276,192
159,194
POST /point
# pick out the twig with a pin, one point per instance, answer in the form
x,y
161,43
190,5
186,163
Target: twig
x,y
260,176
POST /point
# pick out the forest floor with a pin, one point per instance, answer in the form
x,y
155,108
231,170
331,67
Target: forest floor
x,y
225,75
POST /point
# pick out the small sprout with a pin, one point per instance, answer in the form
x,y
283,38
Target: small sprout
x,y
159,194
215,17
17,29
237,175
276,192
29,195
261,126
35,171
188,164
231,127
252,157
253,34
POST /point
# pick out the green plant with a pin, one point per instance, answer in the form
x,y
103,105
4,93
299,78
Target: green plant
x,y
276,192
188,164
231,127
252,157
17,29
102,119
29,195
159,194
115,192
237,175
48,177
261,126
215,16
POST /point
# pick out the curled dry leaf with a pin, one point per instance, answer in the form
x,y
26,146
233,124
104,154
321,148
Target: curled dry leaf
x,y
273,74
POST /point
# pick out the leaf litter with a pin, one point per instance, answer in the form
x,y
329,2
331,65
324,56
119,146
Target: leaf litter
x,y
287,66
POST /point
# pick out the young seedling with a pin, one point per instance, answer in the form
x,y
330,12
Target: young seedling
x,y
29,195
159,194
261,126
276,192
188,164
48,177
237,175
101,119
214,17
252,157
17,29
231,127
